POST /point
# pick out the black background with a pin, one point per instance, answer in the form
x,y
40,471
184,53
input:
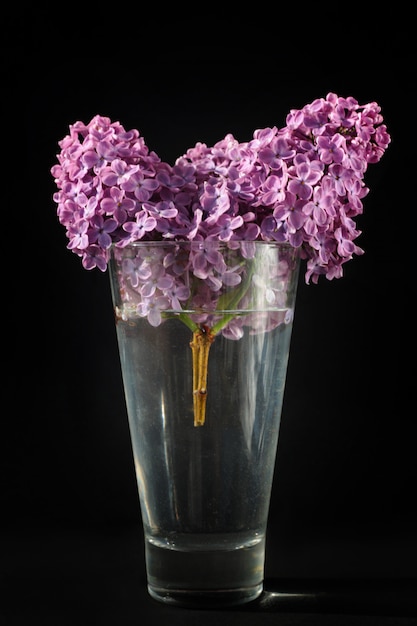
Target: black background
x,y
343,502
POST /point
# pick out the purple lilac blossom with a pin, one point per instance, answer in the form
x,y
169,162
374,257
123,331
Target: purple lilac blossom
x,y
301,184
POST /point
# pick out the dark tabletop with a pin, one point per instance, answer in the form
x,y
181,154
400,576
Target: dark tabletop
x,y
77,577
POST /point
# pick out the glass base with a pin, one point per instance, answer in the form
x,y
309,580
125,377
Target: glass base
x,y
206,570
205,599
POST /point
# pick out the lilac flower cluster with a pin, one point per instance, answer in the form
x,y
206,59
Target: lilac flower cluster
x,y
301,184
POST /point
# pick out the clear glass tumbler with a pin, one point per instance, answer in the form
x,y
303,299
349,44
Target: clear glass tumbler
x,y
204,336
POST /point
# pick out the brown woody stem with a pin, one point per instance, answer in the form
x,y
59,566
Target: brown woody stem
x,y
200,346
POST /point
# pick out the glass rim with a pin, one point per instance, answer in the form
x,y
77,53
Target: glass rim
x,y
139,243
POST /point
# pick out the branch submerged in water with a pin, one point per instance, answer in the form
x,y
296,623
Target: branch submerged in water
x,y
200,346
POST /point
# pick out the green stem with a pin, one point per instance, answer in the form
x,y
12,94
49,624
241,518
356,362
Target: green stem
x,y
188,321
233,300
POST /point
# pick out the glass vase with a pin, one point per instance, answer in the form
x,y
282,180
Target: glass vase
x,y
204,334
